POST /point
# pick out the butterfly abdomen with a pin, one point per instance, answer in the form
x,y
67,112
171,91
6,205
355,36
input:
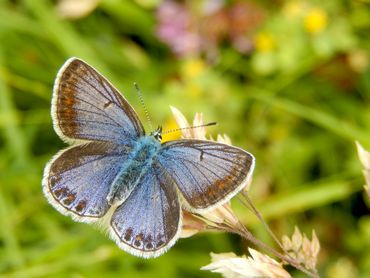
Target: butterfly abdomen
x,y
136,165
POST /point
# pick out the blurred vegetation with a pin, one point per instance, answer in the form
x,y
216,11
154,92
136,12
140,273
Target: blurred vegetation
x,y
287,80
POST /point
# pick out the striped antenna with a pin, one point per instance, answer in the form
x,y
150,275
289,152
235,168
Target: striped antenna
x,y
188,127
143,105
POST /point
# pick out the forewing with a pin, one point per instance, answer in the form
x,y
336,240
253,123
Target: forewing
x,y
77,180
86,106
207,173
148,222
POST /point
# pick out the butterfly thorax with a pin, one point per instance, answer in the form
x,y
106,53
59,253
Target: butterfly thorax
x,y
138,162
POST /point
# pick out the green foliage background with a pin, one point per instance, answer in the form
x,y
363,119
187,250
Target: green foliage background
x,y
297,101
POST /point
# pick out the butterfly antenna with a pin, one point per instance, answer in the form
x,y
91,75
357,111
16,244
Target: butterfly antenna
x,y
188,127
143,105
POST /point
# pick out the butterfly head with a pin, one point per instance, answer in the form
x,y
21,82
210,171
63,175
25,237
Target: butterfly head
x,y
157,134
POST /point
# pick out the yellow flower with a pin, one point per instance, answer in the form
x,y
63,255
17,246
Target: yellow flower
x,y
264,42
315,21
193,68
294,8
170,124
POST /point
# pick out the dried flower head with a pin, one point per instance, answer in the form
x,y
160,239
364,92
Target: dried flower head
x,y
300,248
194,133
257,265
365,161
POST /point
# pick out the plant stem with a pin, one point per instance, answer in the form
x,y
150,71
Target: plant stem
x,y
251,206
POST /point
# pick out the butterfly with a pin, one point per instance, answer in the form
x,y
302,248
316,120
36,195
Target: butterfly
x,y
114,171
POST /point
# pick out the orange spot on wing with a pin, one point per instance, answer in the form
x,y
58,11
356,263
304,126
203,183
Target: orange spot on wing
x,y
81,205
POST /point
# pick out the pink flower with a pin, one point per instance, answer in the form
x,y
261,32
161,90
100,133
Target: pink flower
x,y
174,28
191,29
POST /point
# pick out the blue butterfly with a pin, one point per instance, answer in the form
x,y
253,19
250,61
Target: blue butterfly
x,y
114,173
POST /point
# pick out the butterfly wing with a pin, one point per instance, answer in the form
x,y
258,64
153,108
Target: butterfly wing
x,y
77,180
86,106
148,222
207,173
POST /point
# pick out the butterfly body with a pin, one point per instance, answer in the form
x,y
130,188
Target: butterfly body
x,y
113,171
138,162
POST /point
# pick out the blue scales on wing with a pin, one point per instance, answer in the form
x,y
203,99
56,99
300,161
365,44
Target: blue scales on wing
x,y
77,180
147,223
87,107
206,173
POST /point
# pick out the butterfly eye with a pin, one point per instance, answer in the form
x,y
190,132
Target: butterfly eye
x,y
157,134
